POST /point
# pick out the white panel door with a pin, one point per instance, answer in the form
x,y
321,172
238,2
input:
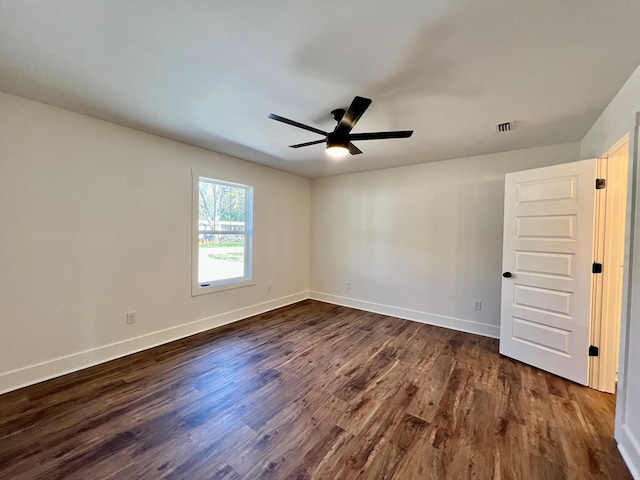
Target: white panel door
x,y
547,260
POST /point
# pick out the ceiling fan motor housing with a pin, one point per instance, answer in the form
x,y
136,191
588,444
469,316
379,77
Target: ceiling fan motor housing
x,y
337,140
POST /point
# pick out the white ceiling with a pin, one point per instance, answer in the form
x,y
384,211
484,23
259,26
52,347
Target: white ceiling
x,y
208,73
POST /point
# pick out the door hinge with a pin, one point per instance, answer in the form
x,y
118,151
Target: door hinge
x,y
593,351
600,183
596,268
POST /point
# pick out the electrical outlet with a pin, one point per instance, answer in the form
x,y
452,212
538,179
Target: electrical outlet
x,y
477,305
269,288
348,285
131,318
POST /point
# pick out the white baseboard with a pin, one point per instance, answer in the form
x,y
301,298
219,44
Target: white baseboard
x,y
56,367
630,450
408,314
22,377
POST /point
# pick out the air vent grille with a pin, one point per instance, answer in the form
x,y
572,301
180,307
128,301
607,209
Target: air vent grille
x,y
504,127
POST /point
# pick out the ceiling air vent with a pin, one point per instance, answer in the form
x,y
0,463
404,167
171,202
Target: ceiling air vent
x,y
505,127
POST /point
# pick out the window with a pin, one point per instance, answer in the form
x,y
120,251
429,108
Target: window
x,y
223,234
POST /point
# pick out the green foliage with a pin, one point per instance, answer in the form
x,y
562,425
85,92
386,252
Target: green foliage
x,y
229,257
221,244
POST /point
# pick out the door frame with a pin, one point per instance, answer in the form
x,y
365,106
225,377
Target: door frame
x,y
605,329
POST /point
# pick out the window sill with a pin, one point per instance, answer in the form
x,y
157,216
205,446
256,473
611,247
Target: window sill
x,y
199,290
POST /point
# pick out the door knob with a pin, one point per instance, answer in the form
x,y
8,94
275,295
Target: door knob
x,y
506,274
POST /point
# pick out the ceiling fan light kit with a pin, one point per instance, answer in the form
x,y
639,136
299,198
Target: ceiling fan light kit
x,y
339,141
336,151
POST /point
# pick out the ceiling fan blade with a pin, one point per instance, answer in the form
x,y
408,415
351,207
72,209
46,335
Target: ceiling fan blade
x,y
353,150
298,145
358,106
380,135
278,118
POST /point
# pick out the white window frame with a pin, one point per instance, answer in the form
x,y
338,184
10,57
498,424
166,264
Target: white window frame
x,y
198,288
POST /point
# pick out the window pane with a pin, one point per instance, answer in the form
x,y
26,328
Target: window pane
x,y
222,207
220,257
223,241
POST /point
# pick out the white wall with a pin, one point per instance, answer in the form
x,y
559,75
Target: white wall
x,y
95,221
618,119
419,242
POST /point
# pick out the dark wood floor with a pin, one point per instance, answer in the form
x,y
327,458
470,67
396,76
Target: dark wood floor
x,y
311,391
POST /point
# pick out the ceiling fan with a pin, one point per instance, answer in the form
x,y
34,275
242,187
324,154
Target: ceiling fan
x,y
339,141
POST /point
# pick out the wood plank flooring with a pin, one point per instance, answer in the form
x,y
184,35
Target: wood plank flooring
x,y
311,391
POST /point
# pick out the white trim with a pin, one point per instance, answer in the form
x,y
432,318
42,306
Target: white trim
x,y
630,450
459,324
609,249
219,287
22,377
621,432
